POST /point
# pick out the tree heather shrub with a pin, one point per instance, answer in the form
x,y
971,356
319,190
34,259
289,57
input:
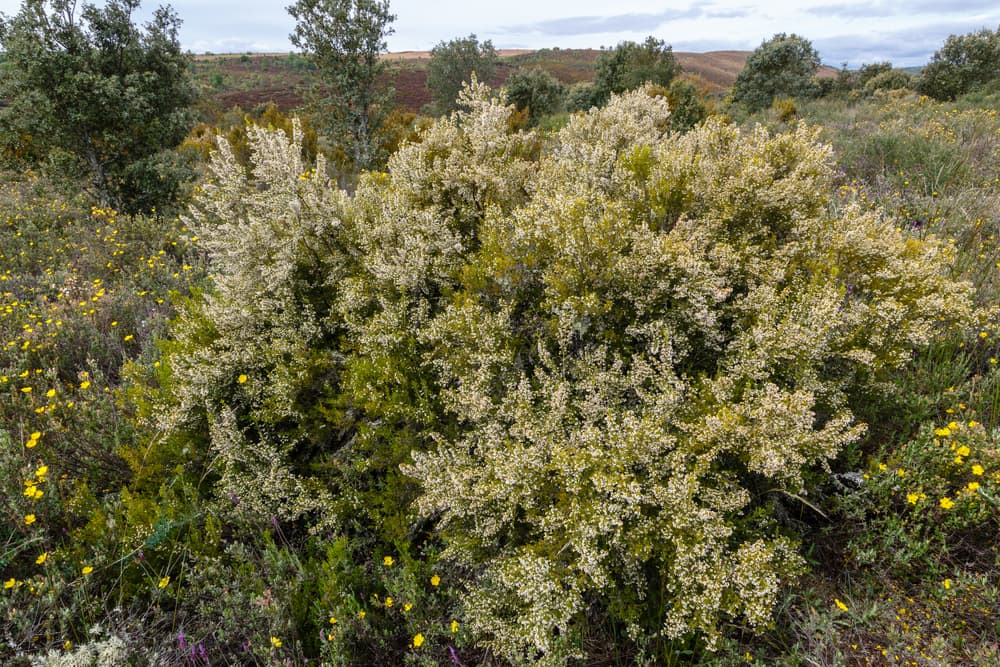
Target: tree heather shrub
x,y
594,367
667,330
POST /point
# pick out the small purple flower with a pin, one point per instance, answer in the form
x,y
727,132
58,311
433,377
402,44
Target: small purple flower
x,y
453,655
274,522
234,498
180,639
202,652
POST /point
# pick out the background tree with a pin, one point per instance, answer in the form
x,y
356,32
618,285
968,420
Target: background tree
x,y
783,66
96,95
630,65
964,63
453,63
345,38
537,91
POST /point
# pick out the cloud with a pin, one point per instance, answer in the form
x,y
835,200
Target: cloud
x,y
904,48
593,25
893,8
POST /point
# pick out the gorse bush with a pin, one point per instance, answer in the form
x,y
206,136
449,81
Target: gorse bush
x,y
581,383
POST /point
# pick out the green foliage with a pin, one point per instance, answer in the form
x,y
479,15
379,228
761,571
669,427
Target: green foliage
x,y
781,66
453,64
535,90
95,95
964,63
582,97
629,65
688,106
344,38
892,79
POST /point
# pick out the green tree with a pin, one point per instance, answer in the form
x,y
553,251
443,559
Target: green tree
x,y
537,91
783,66
964,63
453,64
630,65
93,94
345,38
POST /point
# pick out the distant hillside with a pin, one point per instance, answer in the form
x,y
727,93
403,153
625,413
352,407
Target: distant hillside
x,y
248,80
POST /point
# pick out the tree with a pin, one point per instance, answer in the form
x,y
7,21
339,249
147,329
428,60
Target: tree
x,y
537,91
453,64
783,66
345,38
96,95
630,65
964,63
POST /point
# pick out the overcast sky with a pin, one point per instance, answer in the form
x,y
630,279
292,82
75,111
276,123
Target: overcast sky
x,y
906,32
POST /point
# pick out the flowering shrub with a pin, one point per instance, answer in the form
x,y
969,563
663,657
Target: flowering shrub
x,y
592,364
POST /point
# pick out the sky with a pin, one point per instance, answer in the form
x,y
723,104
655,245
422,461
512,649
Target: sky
x,y
905,32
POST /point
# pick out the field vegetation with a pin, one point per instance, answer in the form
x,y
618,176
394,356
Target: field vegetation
x,y
603,368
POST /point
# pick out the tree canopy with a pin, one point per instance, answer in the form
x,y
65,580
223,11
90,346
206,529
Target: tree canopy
x,y
783,66
345,39
453,63
94,94
964,63
630,65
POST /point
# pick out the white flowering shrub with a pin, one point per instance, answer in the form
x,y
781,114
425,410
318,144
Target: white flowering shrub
x,y
597,360
669,327
254,356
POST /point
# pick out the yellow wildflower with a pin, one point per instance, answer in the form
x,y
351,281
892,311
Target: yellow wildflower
x,y
387,561
977,470
242,379
50,393
947,503
973,486
29,519
963,451
84,384
333,620
163,582
454,626
42,558
10,583
418,640
408,606
362,614
947,584
435,580
840,605
388,602
275,642
943,432
86,569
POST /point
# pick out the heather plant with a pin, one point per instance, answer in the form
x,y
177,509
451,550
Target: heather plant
x,y
664,337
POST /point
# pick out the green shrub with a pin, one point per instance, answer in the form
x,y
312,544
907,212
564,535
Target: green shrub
x,y
781,66
535,90
962,64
